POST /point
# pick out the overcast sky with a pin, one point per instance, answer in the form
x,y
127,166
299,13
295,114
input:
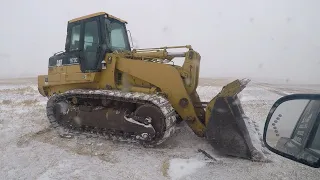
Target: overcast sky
x,y
253,38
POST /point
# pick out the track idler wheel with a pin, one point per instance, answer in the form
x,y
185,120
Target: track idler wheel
x,y
149,114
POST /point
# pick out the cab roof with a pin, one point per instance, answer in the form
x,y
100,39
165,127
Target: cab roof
x,y
96,14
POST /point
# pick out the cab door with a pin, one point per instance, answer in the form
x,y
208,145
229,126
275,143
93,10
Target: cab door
x,y
73,44
91,54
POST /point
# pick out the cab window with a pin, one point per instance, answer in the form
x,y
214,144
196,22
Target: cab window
x,y
75,38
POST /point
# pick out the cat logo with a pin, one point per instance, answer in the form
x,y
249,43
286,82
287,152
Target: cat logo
x,y
59,62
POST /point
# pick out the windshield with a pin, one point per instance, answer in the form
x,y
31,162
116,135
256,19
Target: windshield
x,y
118,39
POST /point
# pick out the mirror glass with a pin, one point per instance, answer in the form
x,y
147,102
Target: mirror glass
x,y
293,129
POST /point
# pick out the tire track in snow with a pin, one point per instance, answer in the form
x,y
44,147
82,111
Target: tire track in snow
x,y
283,89
276,91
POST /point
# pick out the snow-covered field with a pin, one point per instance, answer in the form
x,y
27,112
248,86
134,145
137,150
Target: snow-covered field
x,y
30,150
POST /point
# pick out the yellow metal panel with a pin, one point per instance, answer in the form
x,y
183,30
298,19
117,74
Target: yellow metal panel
x,y
138,82
52,70
113,17
63,78
79,77
73,69
168,79
56,70
54,78
41,84
161,54
94,15
64,69
61,69
87,16
107,77
190,68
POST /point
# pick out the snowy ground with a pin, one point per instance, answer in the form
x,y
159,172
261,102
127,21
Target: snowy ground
x,y
30,150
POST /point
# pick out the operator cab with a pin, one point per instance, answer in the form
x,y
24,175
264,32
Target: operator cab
x,y
89,38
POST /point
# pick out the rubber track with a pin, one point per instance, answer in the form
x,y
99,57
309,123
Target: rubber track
x,y
115,95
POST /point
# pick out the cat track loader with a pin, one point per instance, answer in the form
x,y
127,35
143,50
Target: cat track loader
x,y
99,85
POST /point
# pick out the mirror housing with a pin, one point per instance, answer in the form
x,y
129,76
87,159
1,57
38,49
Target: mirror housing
x,y
292,128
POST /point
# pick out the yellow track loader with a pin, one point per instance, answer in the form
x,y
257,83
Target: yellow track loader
x,y
100,85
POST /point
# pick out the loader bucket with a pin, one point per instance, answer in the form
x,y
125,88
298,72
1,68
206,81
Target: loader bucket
x,y
226,126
